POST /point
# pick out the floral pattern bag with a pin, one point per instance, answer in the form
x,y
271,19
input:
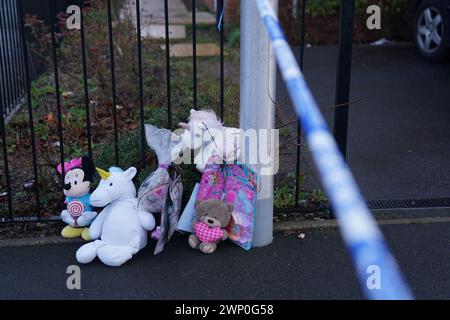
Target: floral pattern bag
x,y
236,184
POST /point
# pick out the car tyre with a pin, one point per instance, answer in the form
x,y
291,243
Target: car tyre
x,y
430,32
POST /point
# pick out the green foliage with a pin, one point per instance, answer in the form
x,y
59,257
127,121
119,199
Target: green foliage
x,y
75,118
129,148
40,129
326,7
234,37
11,146
322,7
40,89
284,195
318,197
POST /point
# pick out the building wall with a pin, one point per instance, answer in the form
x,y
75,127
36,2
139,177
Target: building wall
x,y
232,9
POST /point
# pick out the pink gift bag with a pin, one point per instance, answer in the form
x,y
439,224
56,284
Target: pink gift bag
x,y
236,184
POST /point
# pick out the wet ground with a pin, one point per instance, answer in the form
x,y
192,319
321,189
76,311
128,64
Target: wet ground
x,y
316,267
399,132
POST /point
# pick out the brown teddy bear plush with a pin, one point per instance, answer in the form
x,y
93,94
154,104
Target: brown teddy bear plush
x,y
212,217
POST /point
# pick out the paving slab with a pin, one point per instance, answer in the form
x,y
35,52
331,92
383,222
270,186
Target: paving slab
x,y
181,50
201,18
152,13
158,31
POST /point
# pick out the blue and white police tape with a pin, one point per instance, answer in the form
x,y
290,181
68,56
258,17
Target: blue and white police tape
x,y
377,270
222,13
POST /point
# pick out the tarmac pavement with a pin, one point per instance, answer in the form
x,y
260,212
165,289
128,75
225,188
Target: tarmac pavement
x,y
399,123
316,267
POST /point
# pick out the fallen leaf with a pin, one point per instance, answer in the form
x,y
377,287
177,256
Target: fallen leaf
x,y
51,118
28,185
132,125
66,94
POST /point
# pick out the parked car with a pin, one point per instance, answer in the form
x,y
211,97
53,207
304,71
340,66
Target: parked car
x,y
432,29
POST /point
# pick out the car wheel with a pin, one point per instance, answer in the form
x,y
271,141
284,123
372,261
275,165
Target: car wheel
x,y
430,33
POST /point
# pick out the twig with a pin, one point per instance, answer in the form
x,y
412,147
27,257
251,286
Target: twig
x,y
323,108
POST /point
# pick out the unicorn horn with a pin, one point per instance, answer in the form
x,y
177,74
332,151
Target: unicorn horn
x,y
104,174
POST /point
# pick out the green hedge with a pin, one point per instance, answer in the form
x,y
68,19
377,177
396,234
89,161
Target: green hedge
x,y
325,7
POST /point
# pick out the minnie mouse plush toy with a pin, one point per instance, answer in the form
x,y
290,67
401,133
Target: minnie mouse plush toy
x,y
78,176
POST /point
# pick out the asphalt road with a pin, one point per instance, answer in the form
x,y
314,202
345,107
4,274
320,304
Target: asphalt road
x,y
316,267
399,130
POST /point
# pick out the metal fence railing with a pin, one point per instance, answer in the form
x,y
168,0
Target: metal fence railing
x,y
11,60
18,73
12,73
20,65
17,45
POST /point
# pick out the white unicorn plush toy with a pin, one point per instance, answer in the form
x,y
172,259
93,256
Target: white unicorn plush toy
x,y
207,134
120,230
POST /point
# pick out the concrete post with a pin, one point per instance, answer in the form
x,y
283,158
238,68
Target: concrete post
x,y
257,110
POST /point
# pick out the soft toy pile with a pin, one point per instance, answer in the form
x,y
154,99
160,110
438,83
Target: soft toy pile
x,y
225,199
224,183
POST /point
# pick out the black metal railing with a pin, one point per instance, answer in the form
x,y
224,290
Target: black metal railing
x,y
22,66
11,61
12,81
